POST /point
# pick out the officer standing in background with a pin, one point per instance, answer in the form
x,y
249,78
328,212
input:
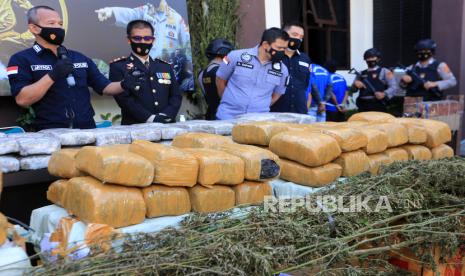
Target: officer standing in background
x,y
157,97
217,49
55,81
428,78
319,92
298,64
335,110
251,80
376,84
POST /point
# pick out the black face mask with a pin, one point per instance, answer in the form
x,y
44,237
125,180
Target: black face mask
x,y
276,56
52,35
141,49
372,63
294,43
424,56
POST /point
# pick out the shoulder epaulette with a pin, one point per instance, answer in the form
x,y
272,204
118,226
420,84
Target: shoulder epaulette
x,y
118,59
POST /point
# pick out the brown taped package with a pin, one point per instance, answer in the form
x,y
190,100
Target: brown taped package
x,y
3,229
371,116
348,139
199,140
254,158
397,133
114,166
442,151
215,199
173,166
166,201
416,152
313,177
56,192
94,202
353,163
307,148
256,133
63,164
378,160
251,192
396,154
377,140
437,132
218,167
416,131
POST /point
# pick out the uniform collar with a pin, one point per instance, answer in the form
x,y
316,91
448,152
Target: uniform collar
x,y
253,51
37,48
431,61
373,69
141,59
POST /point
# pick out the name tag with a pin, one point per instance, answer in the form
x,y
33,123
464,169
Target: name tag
x,y
304,64
41,67
245,65
80,65
275,73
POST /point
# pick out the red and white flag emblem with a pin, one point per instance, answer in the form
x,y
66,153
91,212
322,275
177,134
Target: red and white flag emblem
x,y
12,70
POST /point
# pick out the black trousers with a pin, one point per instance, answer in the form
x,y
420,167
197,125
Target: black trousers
x,y
334,116
396,106
370,105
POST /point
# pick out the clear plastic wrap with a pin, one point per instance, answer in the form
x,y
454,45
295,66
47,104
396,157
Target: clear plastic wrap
x,y
8,145
71,137
313,177
40,145
168,132
35,162
63,164
56,192
108,136
348,139
208,200
9,164
140,132
257,133
166,201
252,192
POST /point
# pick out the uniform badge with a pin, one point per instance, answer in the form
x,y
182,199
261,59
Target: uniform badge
x,y
130,66
422,75
245,57
375,76
171,34
277,66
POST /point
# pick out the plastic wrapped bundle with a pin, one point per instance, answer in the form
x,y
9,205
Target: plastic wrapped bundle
x,y
260,164
142,132
301,118
107,136
256,133
252,192
9,164
397,133
215,199
63,164
442,151
348,139
71,137
8,145
2,135
115,166
32,146
275,117
168,132
378,160
218,167
416,132
313,177
222,128
35,162
166,201
200,140
371,116
56,192
437,132
3,229
310,149
94,202
377,140
396,154
353,163
173,166
417,152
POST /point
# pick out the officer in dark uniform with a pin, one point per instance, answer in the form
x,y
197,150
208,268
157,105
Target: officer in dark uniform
x,y
55,81
298,64
428,78
376,84
217,49
156,97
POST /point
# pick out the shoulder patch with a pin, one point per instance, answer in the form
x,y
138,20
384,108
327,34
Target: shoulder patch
x,y
118,59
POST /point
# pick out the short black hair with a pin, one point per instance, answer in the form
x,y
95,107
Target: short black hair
x,y
331,66
32,13
138,24
272,34
291,24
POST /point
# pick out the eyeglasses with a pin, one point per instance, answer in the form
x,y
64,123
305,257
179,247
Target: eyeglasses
x,y
139,38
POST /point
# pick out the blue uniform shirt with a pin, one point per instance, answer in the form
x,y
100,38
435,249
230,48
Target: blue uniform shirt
x,y
339,90
320,78
250,83
295,99
62,106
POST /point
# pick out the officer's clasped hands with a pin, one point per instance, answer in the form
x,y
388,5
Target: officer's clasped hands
x,y
131,81
161,118
61,69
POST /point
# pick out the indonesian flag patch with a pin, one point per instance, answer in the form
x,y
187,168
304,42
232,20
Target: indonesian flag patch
x,y
12,70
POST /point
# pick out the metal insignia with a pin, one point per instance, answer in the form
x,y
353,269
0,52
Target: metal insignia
x,y
245,57
277,66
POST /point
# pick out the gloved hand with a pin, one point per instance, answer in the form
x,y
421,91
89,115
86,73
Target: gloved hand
x,y
132,80
162,118
61,69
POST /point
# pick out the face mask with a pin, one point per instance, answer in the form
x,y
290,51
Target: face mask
x,y
294,43
276,56
141,49
372,63
424,56
54,36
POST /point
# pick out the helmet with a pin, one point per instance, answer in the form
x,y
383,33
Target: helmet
x,y
373,52
218,47
425,44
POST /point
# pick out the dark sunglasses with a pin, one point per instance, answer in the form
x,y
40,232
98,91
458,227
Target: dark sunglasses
x,y
138,38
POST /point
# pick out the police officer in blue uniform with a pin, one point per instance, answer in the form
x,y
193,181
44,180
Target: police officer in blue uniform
x,y
156,97
217,49
298,64
55,81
